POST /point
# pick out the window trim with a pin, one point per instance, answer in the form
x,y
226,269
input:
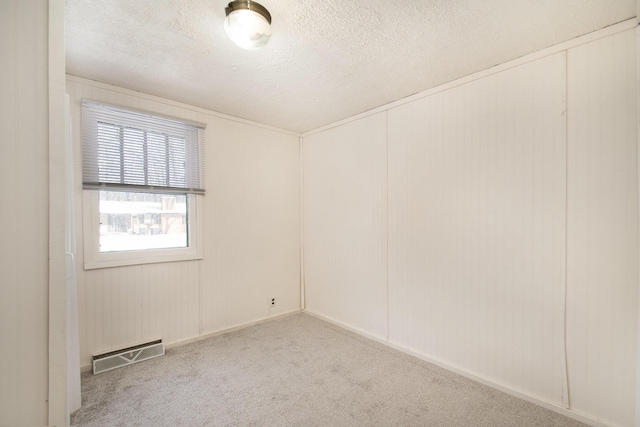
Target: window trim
x,y
94,259
95,112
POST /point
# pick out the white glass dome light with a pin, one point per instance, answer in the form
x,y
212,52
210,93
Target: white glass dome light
x,y
248,24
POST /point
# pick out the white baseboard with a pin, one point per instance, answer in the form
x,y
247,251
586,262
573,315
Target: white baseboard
x,y
571,413
222,331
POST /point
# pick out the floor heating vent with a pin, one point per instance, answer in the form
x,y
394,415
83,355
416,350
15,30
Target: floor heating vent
x,y
126,356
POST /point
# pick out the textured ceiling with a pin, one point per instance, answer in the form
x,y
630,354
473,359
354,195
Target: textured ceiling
x,y
327,59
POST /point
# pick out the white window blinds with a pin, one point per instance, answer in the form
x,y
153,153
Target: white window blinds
x,y
127,149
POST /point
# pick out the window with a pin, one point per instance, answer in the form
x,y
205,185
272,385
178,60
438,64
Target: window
x,y
143,178
132,221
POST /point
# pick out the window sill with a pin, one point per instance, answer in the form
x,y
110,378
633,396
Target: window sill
x,y
145,257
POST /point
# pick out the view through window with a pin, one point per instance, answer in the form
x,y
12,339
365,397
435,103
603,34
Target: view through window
x,y
132,221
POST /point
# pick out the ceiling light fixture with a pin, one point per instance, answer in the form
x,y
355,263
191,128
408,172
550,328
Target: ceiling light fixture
x,y
248,24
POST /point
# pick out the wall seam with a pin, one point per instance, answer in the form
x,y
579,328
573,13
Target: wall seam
x,y
57,286
386,115
303,301
637,43
200,311
566,398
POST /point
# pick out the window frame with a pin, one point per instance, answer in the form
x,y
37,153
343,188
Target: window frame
x,y
94,259
121,116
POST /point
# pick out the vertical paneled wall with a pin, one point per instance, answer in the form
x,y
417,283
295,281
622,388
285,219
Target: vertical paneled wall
x,y
345,219
476,226
250,230
512,227
124,306
602,244
24,194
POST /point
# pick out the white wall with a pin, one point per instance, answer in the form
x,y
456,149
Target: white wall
x,y
251,230
602,226
476,226
345,217
24,189
511,199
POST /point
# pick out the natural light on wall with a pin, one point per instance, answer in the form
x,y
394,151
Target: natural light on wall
x,y
248,24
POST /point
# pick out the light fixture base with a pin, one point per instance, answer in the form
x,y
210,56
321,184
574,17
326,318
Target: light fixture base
x,y
248,5
248,24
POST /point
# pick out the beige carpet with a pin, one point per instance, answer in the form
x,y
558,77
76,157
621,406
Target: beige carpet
x,y
296,371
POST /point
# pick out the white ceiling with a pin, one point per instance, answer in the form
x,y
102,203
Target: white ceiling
x,y
327,59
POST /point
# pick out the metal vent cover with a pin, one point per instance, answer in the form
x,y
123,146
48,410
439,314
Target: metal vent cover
x,y
127,356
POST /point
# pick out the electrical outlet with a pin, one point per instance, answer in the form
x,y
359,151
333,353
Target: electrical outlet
x,y
273,302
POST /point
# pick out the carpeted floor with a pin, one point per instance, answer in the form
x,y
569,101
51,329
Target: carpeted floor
x,y
296,371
